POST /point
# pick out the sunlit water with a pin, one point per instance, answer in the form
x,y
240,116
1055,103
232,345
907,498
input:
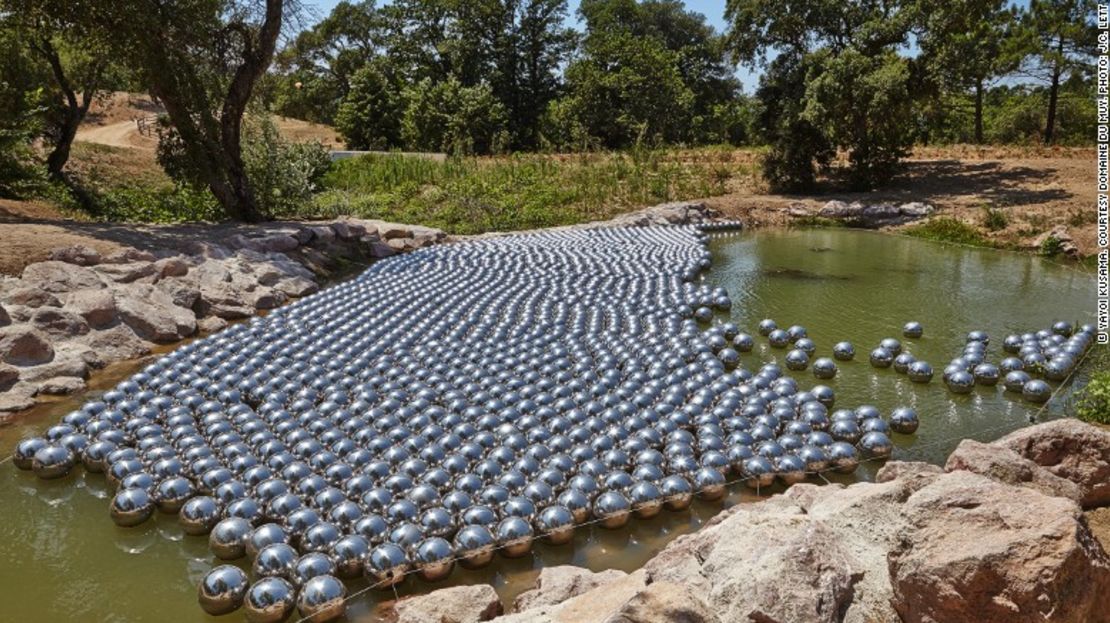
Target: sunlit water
x,y
62,558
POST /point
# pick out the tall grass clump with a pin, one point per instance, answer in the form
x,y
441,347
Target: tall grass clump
x,y
948,229
473,195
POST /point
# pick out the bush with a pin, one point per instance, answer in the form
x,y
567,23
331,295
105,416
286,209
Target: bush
x,y
284,175
179,203
1052,246
1092,403
994,219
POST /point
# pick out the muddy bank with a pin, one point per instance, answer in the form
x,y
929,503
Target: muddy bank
x,y
1001,533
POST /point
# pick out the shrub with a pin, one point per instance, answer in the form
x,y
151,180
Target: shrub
x,y
994,219
177,203
1051,246
448,117
369,117
284,175
1092,403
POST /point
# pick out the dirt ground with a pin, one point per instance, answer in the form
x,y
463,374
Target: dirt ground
x,y
1099,520
1036,190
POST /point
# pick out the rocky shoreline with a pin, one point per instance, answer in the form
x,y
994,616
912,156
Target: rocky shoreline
x,y
998,534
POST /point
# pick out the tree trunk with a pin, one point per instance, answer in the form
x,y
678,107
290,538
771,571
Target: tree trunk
x,y
74,111
979,112
1053,96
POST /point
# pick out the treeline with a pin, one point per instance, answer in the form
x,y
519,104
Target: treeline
x,y
847,86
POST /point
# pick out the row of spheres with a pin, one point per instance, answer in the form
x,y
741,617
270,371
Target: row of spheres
x,y
448,403
1049,353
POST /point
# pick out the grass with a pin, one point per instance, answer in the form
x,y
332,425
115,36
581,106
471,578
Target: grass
x,y
994,219
948,229
474,195
1092,402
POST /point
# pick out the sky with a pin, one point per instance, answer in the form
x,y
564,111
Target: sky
x,y
713,10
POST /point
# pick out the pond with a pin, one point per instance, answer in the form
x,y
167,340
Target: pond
x,y
63,558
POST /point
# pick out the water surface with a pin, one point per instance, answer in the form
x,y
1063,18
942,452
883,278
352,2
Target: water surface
x,y
62,558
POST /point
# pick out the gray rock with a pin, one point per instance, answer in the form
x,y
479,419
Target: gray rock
x,y
297,286
128,272
666,602
390,231
557,584
56,277
5,319
380,250
211,324
59,323
1005,465
171,267
981,550
78,254
322,233
24,346
152,314
130,254
184,292
9,375
97,307
62,386
31,296
458,604
1070,449
19,397
115,343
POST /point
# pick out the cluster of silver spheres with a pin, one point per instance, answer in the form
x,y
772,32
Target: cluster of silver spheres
x,y
452,403
1049,353
891,354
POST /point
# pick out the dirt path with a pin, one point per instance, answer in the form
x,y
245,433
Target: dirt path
x,y
119,134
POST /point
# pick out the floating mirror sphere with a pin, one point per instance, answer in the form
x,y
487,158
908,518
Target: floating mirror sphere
x,y
322,599
25,450
960,382
797,359
920,372
743,343
269,600
228,539
474,546
52,461
131,507
779,338
844,351
766,326
891,345
222,590
913,330
1036,391
199,515
876,444
986,374
556,524
881,358
386,565
514,537
904,420
903,362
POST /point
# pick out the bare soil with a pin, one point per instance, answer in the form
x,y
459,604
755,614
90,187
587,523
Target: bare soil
x,y
1099,520
1036,189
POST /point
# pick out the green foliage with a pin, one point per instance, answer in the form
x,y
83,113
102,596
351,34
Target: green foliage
x,y
1093,401
994,219
469,195
369,117
284,175
798,146
1052,246
143,204
448,117
948,229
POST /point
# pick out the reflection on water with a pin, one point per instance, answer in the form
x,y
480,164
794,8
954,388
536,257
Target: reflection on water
x,y
63,558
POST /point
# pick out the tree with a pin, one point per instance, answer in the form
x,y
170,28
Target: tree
x,y
449,117
22,104
201,59
966,44
369,117
75,51
855,94
1060,37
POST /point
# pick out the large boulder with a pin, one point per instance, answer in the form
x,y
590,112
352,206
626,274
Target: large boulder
x,y
62,386
980,550
1005,465
1071,450
665,602
25,346
59,323
53,276
458,604
78,254
557,584
97,307
32,297
115,343
152,314
127,272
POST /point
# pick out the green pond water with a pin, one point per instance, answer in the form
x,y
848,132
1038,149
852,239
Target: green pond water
x,y
62,558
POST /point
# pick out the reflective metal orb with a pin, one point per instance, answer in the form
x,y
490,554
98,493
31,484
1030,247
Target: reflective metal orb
x,y
743,343
52,461
797,359
172,493
434,559
1015,381
876,444
386,565
311,565
556,525
904,420
824,368
474,546
778,338
844,351
881,358
131,507
269,600
960,382
25,450
322,599
514,537
986,374
1036,391
228,539
766,326
349,554
913,330
222,590
199,515
920,372
843,457
275,560
891,345
612,509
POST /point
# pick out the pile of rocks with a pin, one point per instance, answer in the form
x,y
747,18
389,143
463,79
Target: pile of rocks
x,y
998,534
80,310
871,216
